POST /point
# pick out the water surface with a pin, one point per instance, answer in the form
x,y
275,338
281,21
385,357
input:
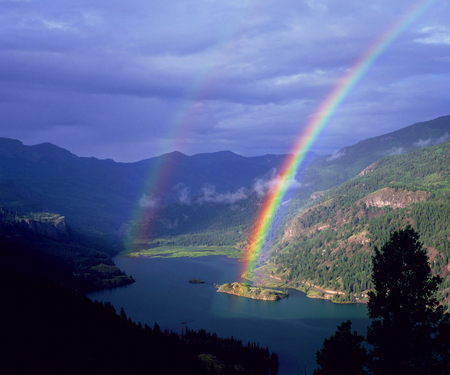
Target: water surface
x,y
294,327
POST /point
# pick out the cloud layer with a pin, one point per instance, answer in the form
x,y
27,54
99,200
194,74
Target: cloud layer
x,y
134,80
208,193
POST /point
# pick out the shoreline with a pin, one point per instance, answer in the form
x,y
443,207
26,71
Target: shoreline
x,y
252,292
261,279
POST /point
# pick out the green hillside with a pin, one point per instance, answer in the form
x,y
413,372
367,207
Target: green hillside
x,y
221,224
328,246
326,172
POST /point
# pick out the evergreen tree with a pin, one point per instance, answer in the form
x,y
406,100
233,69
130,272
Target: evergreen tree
x,y
407,322
342,353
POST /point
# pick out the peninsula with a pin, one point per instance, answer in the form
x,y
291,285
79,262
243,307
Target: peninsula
x,y
254,292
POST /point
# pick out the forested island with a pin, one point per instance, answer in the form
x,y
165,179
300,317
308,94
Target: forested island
x,y
253,292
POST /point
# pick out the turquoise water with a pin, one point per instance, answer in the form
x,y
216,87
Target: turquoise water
x,y
293,327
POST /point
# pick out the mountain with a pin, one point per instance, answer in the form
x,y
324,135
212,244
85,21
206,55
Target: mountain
x,y
87,191
219,221
328,171
100,195
327,230
53,203
327,248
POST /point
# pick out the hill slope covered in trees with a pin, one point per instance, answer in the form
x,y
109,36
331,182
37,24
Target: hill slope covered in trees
x,y
329,245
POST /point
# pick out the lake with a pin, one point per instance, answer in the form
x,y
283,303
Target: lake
x,y
294,327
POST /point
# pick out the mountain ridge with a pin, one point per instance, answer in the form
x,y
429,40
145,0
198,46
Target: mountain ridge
x,y
331,170
330,242
204,202
96,194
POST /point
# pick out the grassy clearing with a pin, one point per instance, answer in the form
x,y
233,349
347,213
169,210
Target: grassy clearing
x,y
185,251
313,294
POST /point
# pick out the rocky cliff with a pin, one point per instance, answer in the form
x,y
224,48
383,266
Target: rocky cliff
x,y
53,227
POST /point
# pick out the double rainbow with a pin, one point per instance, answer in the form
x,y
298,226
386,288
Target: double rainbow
x,y
183,123
266,214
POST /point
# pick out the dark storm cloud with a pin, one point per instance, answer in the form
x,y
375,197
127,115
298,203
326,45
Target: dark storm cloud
x,y
131,80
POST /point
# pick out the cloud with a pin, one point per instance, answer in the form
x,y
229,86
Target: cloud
x,y
430,141
133,81
147,201
435,35
317,5
422,143
396,151
444,138
183,194
263,185
209,195
337,155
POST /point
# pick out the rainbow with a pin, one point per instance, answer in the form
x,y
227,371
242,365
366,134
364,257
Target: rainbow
x,y
273,199
182,123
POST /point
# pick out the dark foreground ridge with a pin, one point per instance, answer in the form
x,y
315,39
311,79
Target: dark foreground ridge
x,y
49,326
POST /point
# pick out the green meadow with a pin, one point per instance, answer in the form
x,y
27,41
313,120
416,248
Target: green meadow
x,y
170,251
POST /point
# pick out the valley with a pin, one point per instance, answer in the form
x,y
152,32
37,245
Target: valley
x,y
323,241
68,221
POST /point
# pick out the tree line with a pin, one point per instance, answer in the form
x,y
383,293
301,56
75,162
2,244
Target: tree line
x,y
51,330
409,331
334,238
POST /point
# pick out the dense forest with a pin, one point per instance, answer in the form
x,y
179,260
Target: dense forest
x,y
49,326
324,243
209,223
409,331
49,329
46,247
327,172
330,243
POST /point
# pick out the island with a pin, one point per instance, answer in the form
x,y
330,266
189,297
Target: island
x,y
248,291
196,281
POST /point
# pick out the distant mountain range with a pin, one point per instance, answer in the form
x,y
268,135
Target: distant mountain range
x,y
344,204
101,194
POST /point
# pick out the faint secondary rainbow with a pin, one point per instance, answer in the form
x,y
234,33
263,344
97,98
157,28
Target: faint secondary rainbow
x,y
183,122
272,201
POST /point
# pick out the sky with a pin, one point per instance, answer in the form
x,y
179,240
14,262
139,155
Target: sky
x,y
137,79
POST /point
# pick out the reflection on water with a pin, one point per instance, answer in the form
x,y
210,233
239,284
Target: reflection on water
x,y
294,327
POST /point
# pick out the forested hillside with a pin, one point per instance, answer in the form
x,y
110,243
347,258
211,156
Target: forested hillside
x,y
216,222
330,244
49,329
215,197
329,171
206,223
40,245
